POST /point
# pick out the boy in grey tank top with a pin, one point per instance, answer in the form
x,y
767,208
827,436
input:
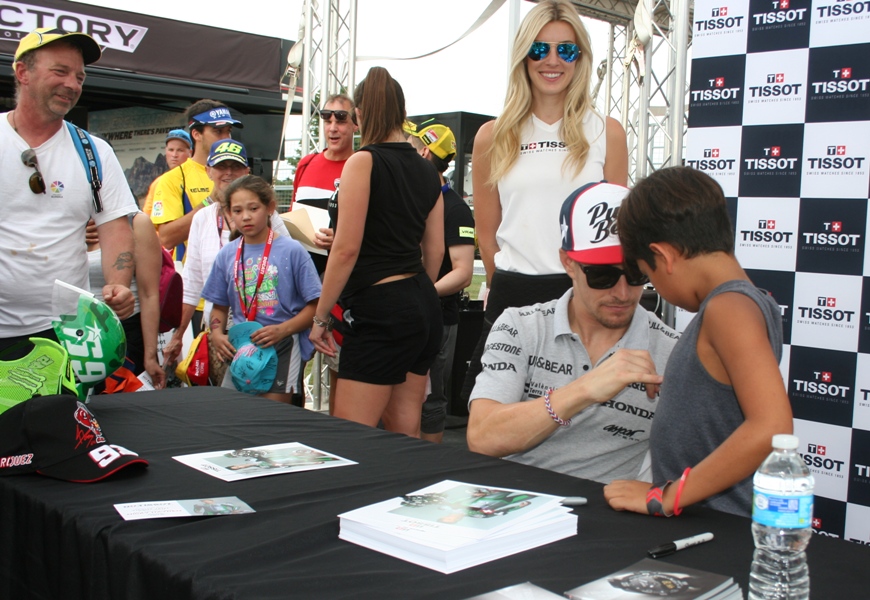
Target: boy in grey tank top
x,y
722,398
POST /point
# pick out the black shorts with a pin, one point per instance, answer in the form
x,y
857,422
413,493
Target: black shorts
x,y
390,330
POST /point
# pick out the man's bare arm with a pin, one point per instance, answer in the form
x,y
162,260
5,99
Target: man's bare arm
x,y
116,243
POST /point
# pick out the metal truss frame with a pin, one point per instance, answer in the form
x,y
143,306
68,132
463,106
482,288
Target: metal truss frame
x,y
329,60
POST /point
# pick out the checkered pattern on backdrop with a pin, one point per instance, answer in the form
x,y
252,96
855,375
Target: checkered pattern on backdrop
x,y
779,114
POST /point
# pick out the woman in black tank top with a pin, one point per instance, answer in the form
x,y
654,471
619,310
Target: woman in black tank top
x,y
388,246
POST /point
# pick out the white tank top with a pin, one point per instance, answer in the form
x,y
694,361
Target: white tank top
x,y
532,193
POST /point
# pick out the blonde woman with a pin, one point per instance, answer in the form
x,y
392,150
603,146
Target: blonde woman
x,y
548,141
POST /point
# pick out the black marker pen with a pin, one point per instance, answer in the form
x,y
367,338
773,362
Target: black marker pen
x,y
671,547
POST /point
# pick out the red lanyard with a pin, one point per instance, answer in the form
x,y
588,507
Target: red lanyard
x,y
240,285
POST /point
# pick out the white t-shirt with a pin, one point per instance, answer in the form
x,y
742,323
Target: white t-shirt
x,y
42,236
533,191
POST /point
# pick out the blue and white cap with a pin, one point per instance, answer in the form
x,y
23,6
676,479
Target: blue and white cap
x,y
216,117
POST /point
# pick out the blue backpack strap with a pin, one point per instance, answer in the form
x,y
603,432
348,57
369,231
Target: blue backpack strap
x,y
90,160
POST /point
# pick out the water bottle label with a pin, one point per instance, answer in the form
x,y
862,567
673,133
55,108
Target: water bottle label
x,y
785,512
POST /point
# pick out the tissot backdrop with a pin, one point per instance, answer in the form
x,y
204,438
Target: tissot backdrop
x,y
779,114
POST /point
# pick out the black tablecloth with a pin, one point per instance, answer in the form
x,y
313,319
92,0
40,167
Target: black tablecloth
x,y
65,540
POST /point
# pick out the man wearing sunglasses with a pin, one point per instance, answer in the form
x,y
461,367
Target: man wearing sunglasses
x,y
318,174
47,198
180,192
316,183
571,385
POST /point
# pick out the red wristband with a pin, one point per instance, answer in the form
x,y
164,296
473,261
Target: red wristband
x,y
655,500
677,509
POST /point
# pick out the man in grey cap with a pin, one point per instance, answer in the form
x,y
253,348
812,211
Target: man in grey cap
x,y
47,196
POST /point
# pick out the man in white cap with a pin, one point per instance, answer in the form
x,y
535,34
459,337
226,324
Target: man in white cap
x,y
47,196
571,385
180,192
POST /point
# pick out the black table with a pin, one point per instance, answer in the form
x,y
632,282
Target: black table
x,y
65,540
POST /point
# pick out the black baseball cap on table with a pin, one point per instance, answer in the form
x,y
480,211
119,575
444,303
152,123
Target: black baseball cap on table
x,y
58,436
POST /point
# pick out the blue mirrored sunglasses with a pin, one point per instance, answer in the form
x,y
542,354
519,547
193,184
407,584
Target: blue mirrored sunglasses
x,y
567,51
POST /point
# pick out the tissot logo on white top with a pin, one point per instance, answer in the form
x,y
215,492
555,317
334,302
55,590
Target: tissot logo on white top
x,y
718,91
781,13
21,19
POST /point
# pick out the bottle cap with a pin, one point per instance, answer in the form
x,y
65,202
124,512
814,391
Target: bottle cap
x,y
785,441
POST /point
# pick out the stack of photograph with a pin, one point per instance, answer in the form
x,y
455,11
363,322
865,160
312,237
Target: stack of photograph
x,y
450,526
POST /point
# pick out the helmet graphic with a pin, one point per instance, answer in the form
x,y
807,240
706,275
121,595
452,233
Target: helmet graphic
x,y
92,334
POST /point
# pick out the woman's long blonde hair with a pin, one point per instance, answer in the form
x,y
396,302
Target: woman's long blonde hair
x,y
505,149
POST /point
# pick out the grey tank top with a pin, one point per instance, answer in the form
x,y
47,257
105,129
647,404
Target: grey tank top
x,y
696,413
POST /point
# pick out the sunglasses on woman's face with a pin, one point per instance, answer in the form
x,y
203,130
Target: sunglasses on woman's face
x,y
340,115
36,182
604,277
567,51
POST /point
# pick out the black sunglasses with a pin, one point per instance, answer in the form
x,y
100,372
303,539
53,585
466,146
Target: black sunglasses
x,y
340,115
37,183
567,51
604,277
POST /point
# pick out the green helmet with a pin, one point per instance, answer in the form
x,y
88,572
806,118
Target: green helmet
x,y
94,339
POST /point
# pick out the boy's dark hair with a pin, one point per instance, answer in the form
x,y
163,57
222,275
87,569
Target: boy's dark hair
x,y
197,108
678,205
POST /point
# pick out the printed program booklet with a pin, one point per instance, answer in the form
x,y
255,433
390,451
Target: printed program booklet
x,y
657,579
245,463
197,507
450,526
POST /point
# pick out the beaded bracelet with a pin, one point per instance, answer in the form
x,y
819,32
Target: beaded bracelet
x,y
677,509
553,415
654,499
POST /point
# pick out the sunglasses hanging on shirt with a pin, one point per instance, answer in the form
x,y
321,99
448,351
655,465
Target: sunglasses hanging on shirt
x,y
36,182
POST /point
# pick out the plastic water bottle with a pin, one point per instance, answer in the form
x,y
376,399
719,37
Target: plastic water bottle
x,y
782,512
